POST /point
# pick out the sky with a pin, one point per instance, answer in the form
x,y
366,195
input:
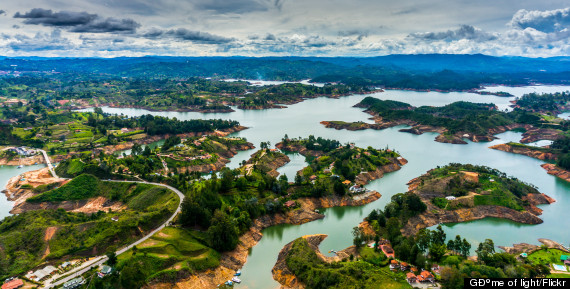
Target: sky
x,y
112,28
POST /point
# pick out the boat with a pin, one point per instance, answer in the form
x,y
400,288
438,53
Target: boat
x,y
229,283
238,273
236,279
20,166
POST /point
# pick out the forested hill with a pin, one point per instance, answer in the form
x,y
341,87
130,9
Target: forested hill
x,y
429,70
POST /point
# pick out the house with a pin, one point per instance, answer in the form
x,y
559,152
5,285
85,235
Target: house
x,y
65,264
404,266
523,255
388,251
41,273
411,277
74,283
394,265
564,258
450,198
13,284
105,270
346,182
115,218
414,270
356,189
124,130
290,204
427,276
313,177
435,269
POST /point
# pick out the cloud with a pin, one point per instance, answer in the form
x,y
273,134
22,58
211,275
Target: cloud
x,y
2,12
464,32
236,6
545,21
360,34
39,16
111,25
187,35
78,21
40,42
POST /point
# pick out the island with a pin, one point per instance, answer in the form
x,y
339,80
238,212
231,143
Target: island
x,y
393,246
459,193
454,122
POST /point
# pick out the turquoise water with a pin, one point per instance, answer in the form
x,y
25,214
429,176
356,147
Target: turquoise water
x,y
7,172
422,152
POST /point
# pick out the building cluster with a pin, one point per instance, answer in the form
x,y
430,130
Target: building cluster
x,y
12,283
23,151
74,283
41,274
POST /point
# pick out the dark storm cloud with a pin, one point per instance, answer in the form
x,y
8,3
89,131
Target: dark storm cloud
x,y
270,37
464,32
39,16
78,21
187,35
2,12
111,25
545,21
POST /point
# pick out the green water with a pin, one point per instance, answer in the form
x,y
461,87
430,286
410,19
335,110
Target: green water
x,y
7,172
422,152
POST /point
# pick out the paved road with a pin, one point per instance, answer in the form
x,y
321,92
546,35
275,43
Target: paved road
x,y
51,283
48,162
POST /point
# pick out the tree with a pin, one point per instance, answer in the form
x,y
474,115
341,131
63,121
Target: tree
x,y
436,251
485,250
438,236
358,236
132,275
223,233
193,214
112,259
298,179
465,248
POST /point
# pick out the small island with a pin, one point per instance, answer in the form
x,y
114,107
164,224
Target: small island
x,y
462,192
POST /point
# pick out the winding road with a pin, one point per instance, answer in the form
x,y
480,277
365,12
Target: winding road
x,y
51,283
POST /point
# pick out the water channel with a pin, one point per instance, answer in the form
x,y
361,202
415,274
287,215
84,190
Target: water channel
x,y
422,152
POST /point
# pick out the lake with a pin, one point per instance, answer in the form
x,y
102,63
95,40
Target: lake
x,y
422,152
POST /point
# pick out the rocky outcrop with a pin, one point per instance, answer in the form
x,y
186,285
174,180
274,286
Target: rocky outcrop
x,y
27,161
365,177
288,280
537,154
554,170
299,149
453,139
431,218
88,206
15,192
529,248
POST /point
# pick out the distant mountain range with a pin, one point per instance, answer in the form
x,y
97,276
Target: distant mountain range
x,y
382,70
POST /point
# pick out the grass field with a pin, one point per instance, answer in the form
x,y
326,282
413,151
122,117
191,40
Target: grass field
x,y
549,256
181,245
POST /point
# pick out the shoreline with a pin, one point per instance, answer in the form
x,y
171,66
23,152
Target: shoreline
x,y
235,259
434,215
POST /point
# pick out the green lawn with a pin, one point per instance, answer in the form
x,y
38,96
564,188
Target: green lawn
x,y
549,256
178,244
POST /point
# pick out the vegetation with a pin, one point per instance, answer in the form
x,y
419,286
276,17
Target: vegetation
x,y
464,117
315,273
77,234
